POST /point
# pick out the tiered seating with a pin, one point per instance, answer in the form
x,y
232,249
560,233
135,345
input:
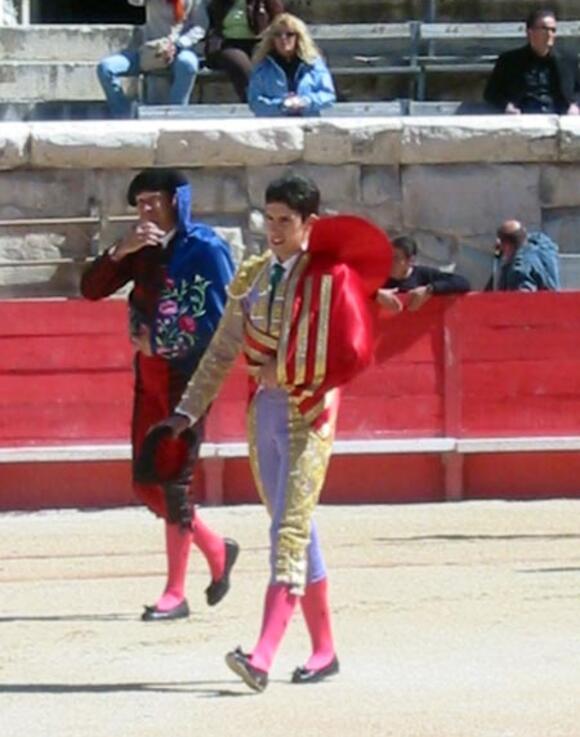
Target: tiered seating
x,y
49,71
46,71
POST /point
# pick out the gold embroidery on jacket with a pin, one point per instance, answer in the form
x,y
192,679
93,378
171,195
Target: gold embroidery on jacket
x,y
302,337
323,330
286,326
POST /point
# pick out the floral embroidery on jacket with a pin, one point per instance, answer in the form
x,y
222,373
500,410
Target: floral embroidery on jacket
x,y
181,304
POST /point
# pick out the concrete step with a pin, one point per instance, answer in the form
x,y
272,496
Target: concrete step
x,y
64,42
37,85
44,81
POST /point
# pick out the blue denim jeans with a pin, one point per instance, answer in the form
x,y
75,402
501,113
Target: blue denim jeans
x,y
126,64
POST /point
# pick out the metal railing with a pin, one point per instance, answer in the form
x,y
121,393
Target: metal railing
x,y
96,218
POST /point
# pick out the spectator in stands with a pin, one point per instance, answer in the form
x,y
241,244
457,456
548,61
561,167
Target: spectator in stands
x,y
289,76
524,262
235,27
418,282
172,29
536,78
180,271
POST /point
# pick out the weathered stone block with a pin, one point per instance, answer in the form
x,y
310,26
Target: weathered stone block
x,y
480,138
339,185
475,261
238,142
13,145
436,250
60,43
387,216
563,226
560,185
569,138
219,191
236,242
370,141
465,200
29,247
111,144
56,193
380,184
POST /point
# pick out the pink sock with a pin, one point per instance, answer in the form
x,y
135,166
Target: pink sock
x,y
178,545
211,545
317,615
278,608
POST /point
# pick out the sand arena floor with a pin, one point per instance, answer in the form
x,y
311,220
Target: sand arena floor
x,y
457,620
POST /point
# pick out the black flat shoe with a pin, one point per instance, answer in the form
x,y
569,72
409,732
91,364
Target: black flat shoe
x,y
239,662
216,591
152,614
304,675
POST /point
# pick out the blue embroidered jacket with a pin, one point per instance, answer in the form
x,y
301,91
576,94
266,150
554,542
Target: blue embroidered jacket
x,y
179,292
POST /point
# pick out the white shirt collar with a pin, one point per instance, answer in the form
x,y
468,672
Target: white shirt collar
x,y
167,238
287,265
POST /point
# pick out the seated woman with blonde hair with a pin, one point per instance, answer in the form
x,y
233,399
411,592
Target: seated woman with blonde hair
x,y
289,75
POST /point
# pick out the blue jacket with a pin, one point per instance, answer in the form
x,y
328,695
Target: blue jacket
x,y
179,293
269,86
193,295
534,267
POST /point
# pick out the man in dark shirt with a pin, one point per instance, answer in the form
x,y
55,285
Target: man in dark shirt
x,y
419,282
535,78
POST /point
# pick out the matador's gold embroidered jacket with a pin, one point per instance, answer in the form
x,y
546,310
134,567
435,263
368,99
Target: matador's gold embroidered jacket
x,y
319,331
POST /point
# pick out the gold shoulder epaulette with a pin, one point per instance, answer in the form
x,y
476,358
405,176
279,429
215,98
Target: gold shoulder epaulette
x,y
246,275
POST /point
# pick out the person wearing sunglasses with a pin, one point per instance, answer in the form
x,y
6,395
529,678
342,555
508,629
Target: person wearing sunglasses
x,y
289,76
538,77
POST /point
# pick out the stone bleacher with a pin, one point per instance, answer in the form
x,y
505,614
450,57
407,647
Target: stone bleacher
x,y
48,72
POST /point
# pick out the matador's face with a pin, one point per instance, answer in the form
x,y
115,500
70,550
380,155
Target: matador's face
x,y
286,231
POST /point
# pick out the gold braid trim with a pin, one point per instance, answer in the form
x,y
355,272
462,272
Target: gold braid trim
x,y
264,338
247,274
323,331
289,296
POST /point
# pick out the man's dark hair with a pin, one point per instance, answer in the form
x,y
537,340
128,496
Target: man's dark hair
x,y
297,192
539,14
407,245
155,180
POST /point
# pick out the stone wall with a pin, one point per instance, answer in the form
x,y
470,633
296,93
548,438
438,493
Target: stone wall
x,y
449,181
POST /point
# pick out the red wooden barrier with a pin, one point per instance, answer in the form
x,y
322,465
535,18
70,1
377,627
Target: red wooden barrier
x,y
483,365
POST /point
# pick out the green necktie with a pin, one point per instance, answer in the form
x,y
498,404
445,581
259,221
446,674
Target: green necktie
x,y
275,278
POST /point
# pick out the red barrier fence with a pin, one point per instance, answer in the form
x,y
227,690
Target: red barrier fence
x,y
483,391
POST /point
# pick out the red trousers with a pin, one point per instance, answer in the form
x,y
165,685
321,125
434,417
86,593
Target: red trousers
x,y
158,389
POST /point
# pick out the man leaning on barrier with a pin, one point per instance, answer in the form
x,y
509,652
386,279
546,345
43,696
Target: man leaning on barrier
x,y
538,77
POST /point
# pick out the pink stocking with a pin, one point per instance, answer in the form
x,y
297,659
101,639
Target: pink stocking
x,y
317,615
278,608
211,545
178,545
